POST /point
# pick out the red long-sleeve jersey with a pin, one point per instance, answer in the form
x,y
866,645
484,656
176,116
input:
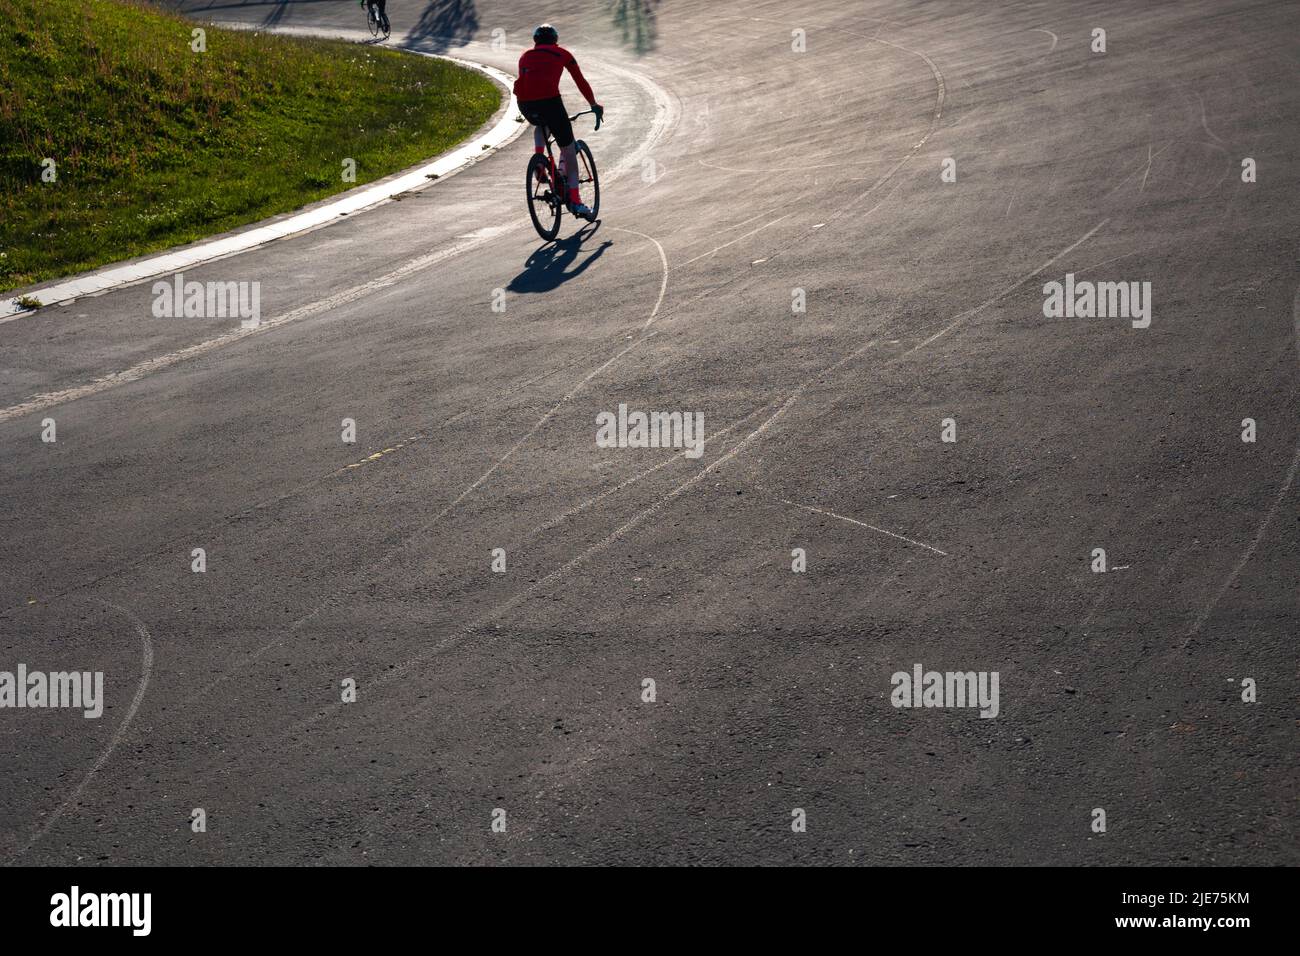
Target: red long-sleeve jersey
x,y
540,70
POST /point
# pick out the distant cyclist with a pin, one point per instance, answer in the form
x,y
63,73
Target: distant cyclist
x,y
380,10
538,93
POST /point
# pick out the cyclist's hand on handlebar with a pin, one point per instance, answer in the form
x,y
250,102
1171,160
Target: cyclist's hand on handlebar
x,y
600,113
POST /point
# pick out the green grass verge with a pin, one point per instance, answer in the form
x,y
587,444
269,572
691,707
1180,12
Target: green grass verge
x,y
155,145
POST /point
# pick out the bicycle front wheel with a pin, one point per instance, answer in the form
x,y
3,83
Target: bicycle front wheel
x,y
588,178
372,20
544,204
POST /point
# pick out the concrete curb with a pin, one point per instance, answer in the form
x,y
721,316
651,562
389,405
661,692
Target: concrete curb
x,y
354,200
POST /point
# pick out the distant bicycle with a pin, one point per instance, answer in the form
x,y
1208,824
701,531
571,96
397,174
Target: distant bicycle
x,y
547,189
377,17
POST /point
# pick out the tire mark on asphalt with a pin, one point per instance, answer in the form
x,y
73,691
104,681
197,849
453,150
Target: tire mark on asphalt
x,y
158,363
424,431
971,313
617,738
402,545
526,539
663,259
146,670
705,255
797,240
1264,523
860,524
628,482
1055,38
402,669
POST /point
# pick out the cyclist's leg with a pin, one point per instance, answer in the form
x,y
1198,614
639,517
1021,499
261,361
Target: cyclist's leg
x,y
536,116
563,130
570,154
539,148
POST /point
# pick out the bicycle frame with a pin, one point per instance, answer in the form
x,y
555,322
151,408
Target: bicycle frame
x,y
550,157
548,192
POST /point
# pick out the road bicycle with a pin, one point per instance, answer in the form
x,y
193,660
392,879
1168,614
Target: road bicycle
x,y
548,192
377,20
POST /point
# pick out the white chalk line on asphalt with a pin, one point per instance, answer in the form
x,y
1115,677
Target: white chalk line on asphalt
x,y
627,482
559,519
469,490
1204,124
45,400
752,232
1050,50
745,442
663,259
1055,38
861,524
941,92
474,486
401,546
145,670
1267,520
666,116
406,666
970,313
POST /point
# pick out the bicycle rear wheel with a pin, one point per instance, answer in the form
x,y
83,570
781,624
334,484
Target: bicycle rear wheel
x,y
372,20
544,204
386,26
588,178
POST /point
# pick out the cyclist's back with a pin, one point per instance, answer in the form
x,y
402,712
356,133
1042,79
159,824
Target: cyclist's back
x,y
540,70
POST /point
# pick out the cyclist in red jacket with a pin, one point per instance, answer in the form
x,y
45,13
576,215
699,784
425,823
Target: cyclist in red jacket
x,y
538,93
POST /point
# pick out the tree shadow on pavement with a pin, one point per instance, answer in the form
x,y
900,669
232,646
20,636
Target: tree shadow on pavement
x,y
552,265
443,24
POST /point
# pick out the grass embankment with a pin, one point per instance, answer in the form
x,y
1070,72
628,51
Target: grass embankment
x,y
154,144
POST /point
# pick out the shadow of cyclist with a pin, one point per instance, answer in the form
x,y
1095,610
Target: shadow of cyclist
x,y
552,265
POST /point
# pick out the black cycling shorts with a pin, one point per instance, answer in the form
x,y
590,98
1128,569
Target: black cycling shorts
x,y
551,114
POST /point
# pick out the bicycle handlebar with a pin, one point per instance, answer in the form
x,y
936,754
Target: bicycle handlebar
x,y
584,113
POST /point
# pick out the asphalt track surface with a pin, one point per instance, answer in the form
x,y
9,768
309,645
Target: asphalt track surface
x,y
736,171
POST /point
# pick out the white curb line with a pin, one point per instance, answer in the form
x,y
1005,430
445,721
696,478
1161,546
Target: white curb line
x,y
112,277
